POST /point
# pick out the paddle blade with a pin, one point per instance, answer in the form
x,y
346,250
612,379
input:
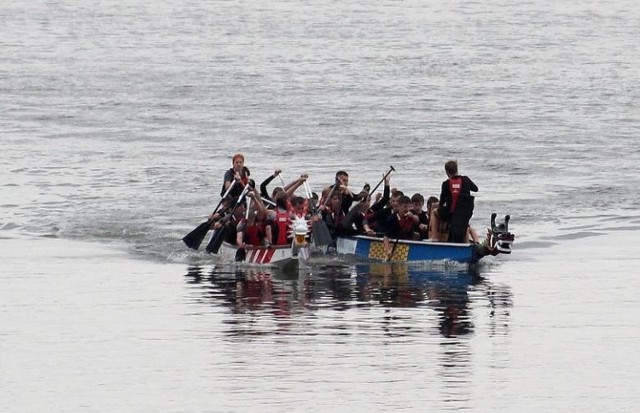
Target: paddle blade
x,y
321,234
195,237
241,255
216,240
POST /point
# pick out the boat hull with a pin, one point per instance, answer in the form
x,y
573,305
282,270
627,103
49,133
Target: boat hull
x,y
371,248
278,256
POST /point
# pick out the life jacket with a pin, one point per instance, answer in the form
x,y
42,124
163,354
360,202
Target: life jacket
x,y
335,218
368,214
283,219
237,189
455,186
254,233
397,227
406,224
338,216
377,220
305,209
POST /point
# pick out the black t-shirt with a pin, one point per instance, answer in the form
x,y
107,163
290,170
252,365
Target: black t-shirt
x,y
397,227
237,188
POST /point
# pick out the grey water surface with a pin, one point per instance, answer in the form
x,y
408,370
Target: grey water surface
x,y
119,118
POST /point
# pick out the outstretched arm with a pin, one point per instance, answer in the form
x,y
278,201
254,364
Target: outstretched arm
x,y
263,186
290,188
260,207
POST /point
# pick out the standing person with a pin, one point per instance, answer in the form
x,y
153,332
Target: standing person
x,y
456,202
236,173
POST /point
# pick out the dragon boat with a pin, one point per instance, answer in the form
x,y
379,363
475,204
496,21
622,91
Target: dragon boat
x,y
368,248
282,256
363,247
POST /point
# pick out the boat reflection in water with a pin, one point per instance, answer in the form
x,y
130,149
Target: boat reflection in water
x,y
270,301
446,292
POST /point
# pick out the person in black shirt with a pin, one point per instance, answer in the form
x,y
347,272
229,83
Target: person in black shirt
x,y
400,225
456,204
237,173
422,228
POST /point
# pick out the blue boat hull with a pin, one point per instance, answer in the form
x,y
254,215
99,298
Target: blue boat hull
x,y
371,248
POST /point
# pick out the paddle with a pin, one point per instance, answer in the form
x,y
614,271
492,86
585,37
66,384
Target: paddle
x,y
391,169
393,249
218,236
319,229
195,237
241,253
335,186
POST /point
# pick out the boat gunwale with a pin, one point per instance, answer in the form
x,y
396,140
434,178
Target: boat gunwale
x,y
415,242
257,247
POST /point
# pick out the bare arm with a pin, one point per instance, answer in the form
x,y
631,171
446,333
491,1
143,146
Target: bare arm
x,y
260,207
290,188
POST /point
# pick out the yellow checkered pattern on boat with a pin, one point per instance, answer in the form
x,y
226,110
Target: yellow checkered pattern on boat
x,y
376,251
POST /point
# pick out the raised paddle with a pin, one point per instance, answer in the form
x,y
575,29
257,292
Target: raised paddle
x,y
333,187
218,236
391,169
267,201
195,237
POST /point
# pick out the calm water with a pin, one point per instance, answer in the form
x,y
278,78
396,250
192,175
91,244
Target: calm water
x,y
119,118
